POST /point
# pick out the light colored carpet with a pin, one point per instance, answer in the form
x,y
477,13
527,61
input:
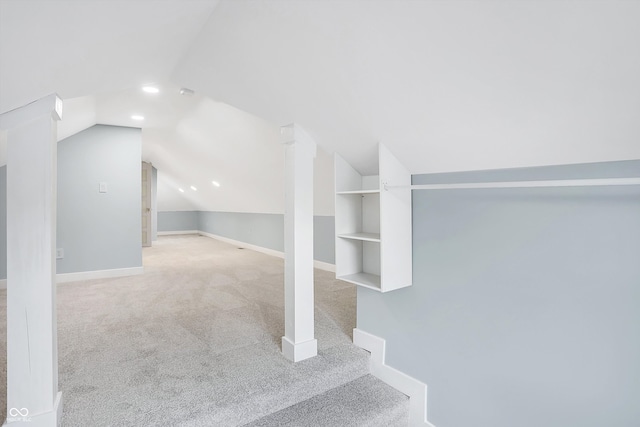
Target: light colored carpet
x,y
365,401
195,341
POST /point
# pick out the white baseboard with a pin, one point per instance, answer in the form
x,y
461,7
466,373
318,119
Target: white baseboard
x,y
98,274
416,390
324,266
296,352
317,264
177,233
121,272
90,275
238,243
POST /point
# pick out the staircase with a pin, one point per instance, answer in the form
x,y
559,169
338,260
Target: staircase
x,y
365,401
332,389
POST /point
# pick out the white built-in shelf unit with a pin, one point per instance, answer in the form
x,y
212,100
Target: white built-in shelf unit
x,y
373,224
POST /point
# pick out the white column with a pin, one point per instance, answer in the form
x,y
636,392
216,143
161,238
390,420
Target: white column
x,y
300,150
33,398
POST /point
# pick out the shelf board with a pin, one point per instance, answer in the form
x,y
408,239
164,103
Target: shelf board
x,y
368,237
359,192
367,280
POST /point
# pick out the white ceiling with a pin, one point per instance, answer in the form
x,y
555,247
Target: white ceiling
x,y
445,85
79,47
193,141
216,142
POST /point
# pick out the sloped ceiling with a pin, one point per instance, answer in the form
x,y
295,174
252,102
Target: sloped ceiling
x,y
194,141
97,54
78,48
447,86
218,143
456,85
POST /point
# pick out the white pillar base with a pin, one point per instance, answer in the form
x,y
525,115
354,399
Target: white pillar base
x,y
52,418
296,352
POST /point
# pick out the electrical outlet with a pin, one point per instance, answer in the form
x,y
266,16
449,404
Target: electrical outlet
x,y
59,253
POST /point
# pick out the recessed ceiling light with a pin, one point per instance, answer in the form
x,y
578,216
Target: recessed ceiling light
x,y
217,184
186,91
181,190
136,117
194,188
150,89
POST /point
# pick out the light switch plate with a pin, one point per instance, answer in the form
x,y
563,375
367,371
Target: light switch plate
x,y
103,187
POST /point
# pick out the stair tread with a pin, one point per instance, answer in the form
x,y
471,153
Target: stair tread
x,y
332,368
365,401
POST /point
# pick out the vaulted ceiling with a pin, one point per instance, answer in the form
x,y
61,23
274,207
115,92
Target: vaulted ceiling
x,y
445,85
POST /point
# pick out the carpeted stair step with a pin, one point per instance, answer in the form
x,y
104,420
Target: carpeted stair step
x,y
365,401
331,369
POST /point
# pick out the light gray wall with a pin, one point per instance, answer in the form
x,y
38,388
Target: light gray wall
x,y
99,231
178,221
265,230
324,239
154,203
3,222
524,307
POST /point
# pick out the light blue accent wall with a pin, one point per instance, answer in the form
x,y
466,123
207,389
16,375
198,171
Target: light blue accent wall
x,y
177,221
99,231
324,239
265,230
524,305
3,222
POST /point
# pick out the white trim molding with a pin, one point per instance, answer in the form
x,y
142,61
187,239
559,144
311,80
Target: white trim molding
x,y
122,272
90,275
316,264
296,352
416,390
244,245
320,265
177,233
98,274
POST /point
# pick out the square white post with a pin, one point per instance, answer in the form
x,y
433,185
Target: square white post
x,y
33,398
300,150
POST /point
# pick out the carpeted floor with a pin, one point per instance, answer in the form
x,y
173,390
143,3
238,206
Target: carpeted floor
x,y
195,341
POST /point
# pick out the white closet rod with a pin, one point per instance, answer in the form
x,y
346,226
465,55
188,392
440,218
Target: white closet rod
x,y
522,184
